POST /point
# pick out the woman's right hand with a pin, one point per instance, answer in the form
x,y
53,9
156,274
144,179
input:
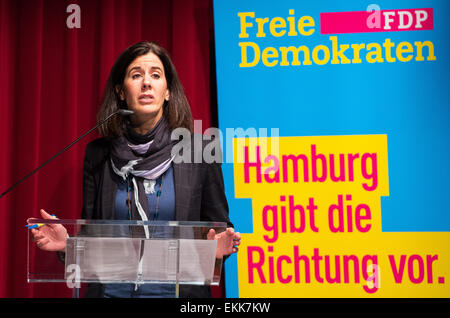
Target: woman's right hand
x,y
50,237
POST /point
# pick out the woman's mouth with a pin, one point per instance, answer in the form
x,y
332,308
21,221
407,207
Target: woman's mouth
x,y
146,98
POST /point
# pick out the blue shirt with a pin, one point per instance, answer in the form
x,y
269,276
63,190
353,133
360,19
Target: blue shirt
x,y
166,204
166,212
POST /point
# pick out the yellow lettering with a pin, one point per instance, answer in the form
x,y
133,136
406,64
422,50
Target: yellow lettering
x,y
303,22
420,45
261,23
338,53
269,52
256,50
387,47
295,51
356,48
404,47
244,23
326,54
374,56
292,31
277,23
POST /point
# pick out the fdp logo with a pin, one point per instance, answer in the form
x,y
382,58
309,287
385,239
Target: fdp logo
x,y
376,20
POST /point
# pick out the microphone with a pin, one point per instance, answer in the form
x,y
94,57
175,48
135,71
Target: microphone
x,y
122,112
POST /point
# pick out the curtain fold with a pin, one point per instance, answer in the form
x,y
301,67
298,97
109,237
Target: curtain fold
x,y
51,82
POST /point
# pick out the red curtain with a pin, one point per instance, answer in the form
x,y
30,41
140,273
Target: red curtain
x,y
51,80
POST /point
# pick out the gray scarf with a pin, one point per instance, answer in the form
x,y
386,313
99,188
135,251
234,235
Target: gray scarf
x,y
142,158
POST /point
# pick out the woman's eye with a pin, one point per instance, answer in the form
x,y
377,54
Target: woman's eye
x,y
156,75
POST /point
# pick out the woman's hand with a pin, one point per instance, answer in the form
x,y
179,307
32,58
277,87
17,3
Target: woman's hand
x,y
228,241
50,237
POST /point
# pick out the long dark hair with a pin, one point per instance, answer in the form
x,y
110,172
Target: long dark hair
x,y
176,111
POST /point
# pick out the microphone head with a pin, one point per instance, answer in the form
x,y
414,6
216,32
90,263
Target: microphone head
x,y
125,112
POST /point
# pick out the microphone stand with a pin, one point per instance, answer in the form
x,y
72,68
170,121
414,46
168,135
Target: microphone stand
x,y
123,112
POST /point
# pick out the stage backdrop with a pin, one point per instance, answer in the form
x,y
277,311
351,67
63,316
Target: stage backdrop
x,y
335,123
54,62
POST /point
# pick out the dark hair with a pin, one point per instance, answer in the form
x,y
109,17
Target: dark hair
x,y
176,111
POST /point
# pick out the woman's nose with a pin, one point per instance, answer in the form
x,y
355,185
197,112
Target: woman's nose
x,y
146,83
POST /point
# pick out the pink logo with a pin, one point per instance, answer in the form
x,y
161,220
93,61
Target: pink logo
x,y
376,21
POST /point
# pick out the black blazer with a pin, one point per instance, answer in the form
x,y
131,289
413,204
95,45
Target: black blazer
x,y
199,196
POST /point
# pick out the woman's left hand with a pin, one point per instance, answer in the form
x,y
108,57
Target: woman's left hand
x,y
228,241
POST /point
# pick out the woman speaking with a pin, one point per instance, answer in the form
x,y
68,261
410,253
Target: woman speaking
x,y
129,173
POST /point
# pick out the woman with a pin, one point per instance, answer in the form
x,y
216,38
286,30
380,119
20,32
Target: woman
x,y
130,173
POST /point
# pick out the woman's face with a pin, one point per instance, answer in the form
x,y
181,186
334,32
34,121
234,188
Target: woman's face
x,y
145,89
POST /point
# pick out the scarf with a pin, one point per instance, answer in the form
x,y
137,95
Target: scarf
x,y
142,158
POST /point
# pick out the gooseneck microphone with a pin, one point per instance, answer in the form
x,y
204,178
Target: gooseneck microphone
x,y
123,112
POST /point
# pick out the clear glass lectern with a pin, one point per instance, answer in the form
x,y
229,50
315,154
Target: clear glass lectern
x,y
137,252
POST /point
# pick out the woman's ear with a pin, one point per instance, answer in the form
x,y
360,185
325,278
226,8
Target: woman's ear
x,y
120,92
167,95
